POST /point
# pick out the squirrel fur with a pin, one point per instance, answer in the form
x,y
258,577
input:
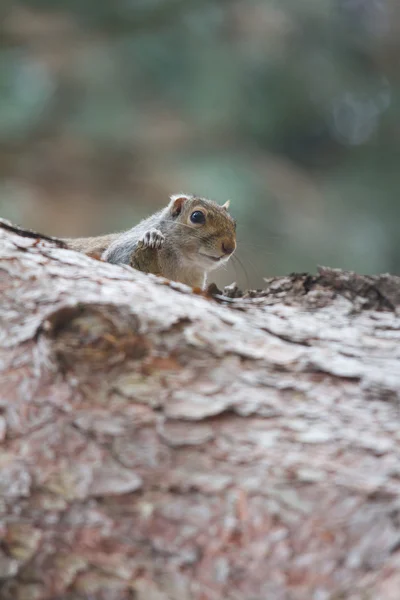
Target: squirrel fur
x,y
176,242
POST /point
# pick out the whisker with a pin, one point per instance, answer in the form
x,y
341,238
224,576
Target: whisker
x,y
254,269
251,245
192,229
235,257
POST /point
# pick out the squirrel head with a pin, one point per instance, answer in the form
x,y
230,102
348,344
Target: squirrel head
x,y
206,232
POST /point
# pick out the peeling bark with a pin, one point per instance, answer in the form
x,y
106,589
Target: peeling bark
x,y
162,445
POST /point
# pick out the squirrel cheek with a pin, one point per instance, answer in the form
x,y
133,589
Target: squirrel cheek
x,y
192,246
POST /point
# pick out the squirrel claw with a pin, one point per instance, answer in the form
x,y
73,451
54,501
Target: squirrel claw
x,y
152,239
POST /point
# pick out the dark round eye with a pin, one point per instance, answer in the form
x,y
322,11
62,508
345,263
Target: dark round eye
x,y
198,217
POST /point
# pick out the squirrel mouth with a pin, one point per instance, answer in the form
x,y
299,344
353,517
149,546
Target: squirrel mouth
x,y
210,257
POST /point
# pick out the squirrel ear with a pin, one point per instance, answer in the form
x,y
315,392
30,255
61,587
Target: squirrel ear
x,y
176,204
226,205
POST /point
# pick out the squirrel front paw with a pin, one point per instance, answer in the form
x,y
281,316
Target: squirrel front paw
x,y
151,239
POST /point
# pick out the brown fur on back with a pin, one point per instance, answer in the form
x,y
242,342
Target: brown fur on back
x,y
92,246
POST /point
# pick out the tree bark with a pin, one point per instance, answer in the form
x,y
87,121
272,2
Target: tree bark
x,y
159,444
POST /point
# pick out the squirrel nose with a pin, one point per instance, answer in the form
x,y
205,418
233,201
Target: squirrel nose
x,y
228,247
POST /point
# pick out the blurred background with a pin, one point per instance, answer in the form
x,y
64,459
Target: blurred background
x,y
289,108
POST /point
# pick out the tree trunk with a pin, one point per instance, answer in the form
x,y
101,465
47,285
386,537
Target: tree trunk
x,y
159,444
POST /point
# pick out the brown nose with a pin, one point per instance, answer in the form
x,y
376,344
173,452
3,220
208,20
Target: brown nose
x,y
228,247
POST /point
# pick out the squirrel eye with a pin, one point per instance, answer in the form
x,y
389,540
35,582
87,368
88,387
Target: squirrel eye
x,y
198,217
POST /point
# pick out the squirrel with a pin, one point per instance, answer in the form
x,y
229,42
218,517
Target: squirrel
x,y
183,242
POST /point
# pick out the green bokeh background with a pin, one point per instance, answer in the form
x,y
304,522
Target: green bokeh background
x,y
290,109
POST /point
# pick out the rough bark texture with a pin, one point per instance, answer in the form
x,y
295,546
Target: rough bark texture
x,y
163,445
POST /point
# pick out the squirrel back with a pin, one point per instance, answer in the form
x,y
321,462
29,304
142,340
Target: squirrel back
x,y
92,246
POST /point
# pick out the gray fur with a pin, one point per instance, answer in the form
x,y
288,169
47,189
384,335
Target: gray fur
x,y
120,251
